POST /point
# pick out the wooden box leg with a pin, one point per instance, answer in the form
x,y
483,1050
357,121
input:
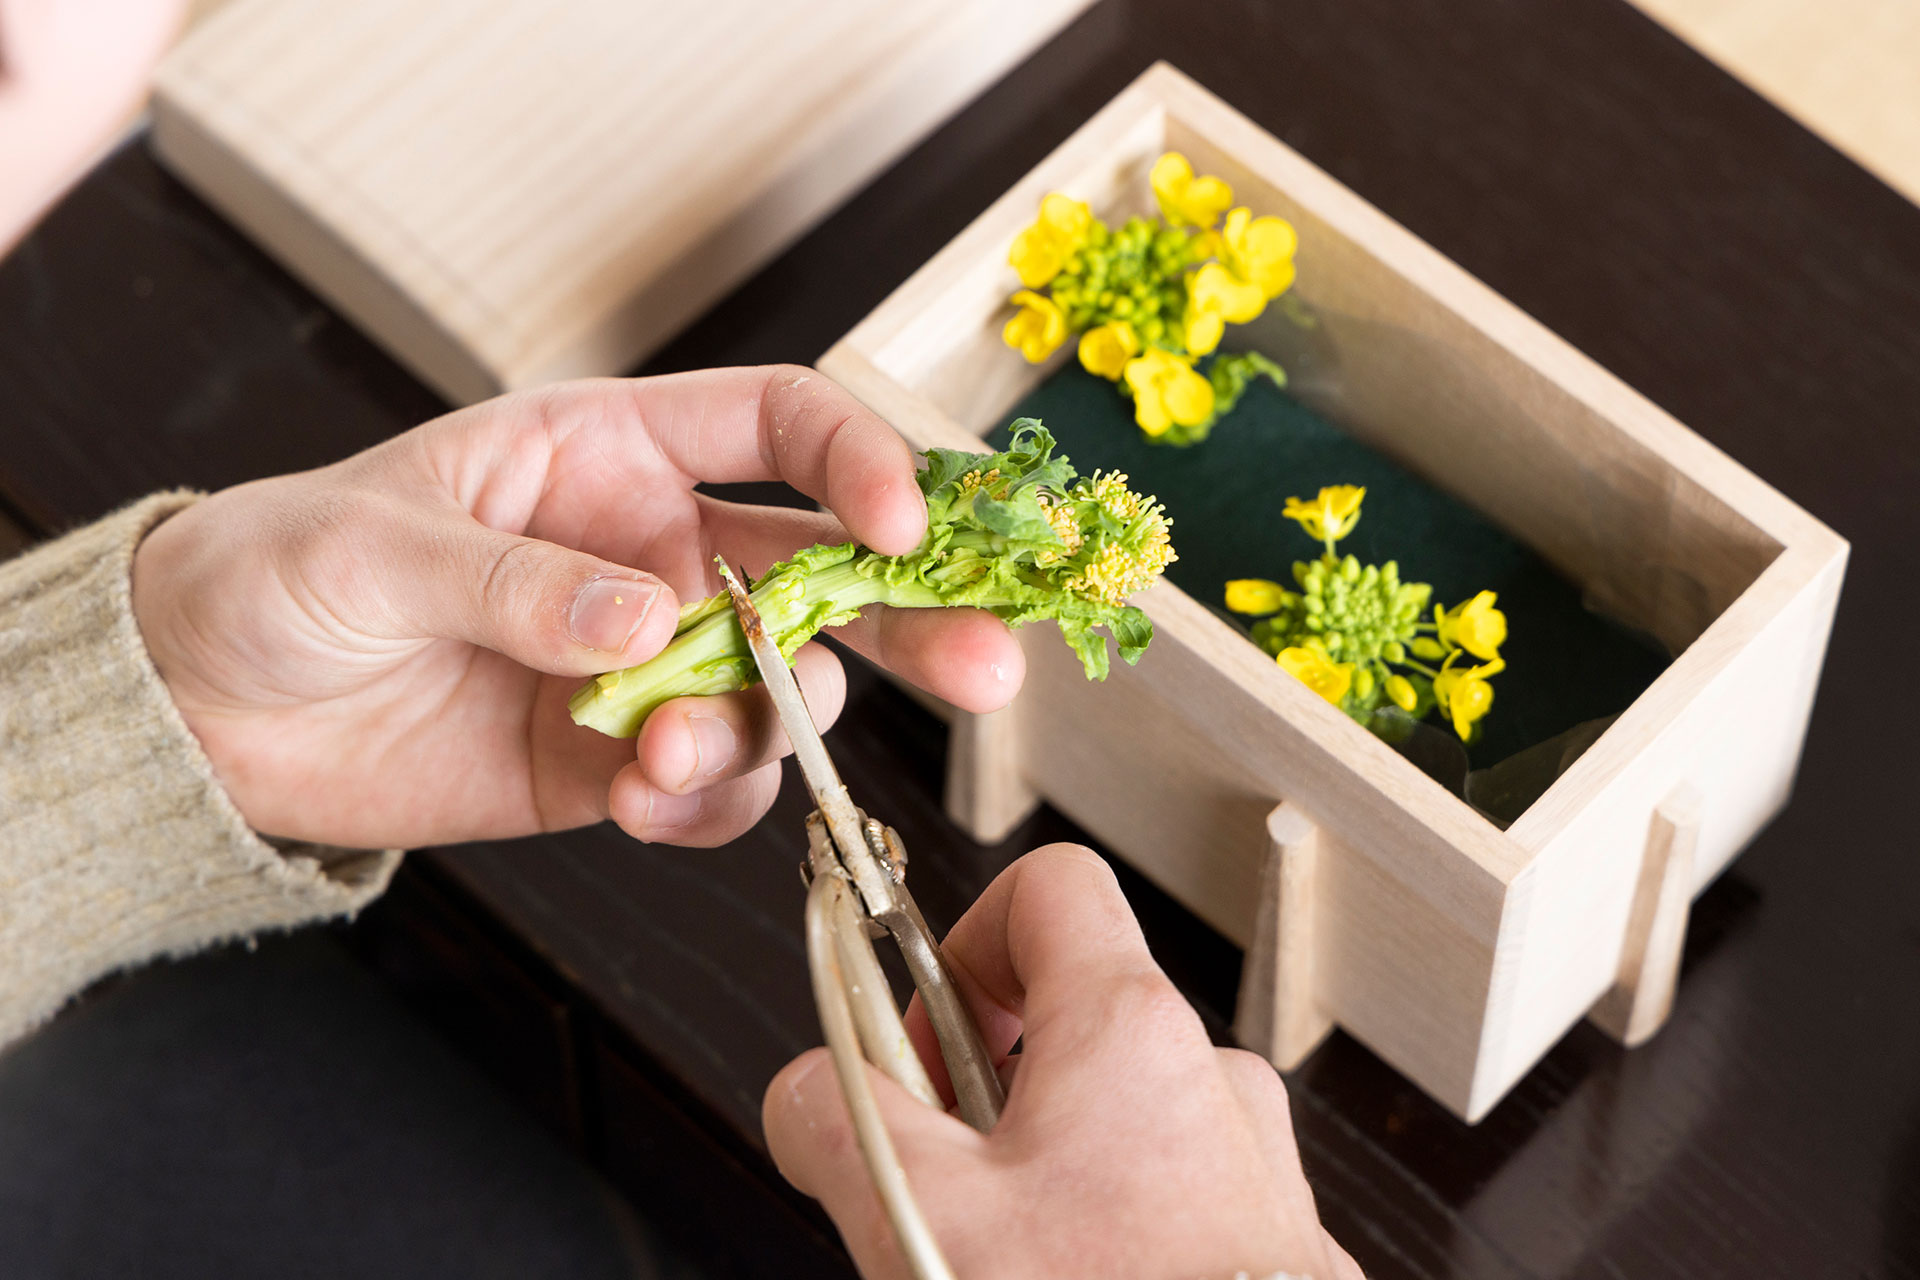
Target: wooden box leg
x,y
987,791
1642,994
1277,1015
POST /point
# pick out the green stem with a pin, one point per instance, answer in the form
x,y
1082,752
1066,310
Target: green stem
x,y
711,655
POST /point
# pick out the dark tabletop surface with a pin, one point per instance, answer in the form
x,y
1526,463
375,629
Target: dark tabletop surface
x,y
1578,159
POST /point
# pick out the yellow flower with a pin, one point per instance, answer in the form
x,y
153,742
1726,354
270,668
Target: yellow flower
x,y
1475,626
1332,513
1185,199
1214,288
1330,680
1255,596
1040,251
1037,329
1464,694
1203,331
1166,390
1401,691
1106,349
1259,251
1214,300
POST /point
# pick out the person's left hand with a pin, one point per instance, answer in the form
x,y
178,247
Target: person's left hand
x,y
379,653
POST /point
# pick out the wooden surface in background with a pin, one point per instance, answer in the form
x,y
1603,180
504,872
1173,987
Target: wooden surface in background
x,y
506,192
1576,157
1848,69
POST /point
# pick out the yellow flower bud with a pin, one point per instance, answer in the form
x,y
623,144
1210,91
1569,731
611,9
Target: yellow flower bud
x,y
1185,199
1464,695
1166,391
1037,329
1255,596
1330,680
1401,691
1362,682
1105,350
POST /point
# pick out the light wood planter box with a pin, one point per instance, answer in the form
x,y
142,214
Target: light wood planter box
x,y
1367,895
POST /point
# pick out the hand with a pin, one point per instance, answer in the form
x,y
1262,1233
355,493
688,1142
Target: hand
x,y
72,73
379,653
1129,1146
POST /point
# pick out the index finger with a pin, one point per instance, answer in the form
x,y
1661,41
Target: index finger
x,y
784,422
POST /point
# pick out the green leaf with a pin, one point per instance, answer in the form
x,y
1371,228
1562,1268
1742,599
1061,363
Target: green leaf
x,y
1019,518
1133,630
945,466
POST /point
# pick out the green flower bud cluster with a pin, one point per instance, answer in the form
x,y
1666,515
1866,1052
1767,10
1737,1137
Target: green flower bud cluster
x,y
1349,626
1136,274
1359,613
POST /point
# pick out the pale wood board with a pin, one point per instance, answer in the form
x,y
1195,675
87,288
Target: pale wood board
x,y
1457,951
1642,994
1847,69
508,192
1278,1013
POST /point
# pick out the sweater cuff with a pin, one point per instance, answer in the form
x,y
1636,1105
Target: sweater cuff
x,y
117,843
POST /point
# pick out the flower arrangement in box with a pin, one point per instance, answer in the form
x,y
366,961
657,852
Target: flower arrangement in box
x,y
1152,298
1357,636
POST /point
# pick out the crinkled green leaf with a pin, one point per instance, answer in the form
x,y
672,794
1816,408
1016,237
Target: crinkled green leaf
x,y
1019,518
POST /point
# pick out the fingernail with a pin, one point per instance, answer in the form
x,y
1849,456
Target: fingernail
x,y
667,813
608,611
714,745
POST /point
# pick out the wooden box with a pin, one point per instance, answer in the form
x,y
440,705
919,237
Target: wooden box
x,y
1368,896
510,192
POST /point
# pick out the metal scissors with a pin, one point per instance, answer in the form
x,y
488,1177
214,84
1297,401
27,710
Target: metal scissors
x,y
856,891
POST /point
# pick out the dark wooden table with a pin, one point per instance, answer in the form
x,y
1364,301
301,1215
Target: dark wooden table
x,y
1575,157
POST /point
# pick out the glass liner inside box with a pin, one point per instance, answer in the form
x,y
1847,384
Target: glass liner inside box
x,y
1567,666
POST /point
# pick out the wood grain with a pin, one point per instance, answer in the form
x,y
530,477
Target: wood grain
x,y
509,192
1277,1014
1642,995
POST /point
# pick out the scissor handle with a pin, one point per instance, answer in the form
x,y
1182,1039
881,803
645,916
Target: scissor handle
x,y
846,979
876,869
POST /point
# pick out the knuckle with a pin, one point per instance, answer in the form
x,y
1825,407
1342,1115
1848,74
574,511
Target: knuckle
x,y
1253,1073
1147,1003
511,576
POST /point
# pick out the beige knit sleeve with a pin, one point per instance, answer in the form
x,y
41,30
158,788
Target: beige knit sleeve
x,y
116,843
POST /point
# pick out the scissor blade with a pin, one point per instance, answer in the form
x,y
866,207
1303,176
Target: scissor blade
x,y
816,766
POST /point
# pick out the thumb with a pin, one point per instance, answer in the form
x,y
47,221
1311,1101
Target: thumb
x,y
543,605
812,1141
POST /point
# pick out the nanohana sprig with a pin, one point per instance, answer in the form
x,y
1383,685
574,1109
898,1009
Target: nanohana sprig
x,y
1348,626
1154,296
1016,533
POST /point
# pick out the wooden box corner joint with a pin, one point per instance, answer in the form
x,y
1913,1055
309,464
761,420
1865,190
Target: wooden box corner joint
x,y
1277,1015
1642,994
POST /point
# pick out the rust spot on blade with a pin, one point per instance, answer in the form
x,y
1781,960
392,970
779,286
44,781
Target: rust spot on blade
x,y
750,620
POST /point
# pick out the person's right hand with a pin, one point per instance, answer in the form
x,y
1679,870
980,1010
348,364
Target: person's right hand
x,y
1129,1146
